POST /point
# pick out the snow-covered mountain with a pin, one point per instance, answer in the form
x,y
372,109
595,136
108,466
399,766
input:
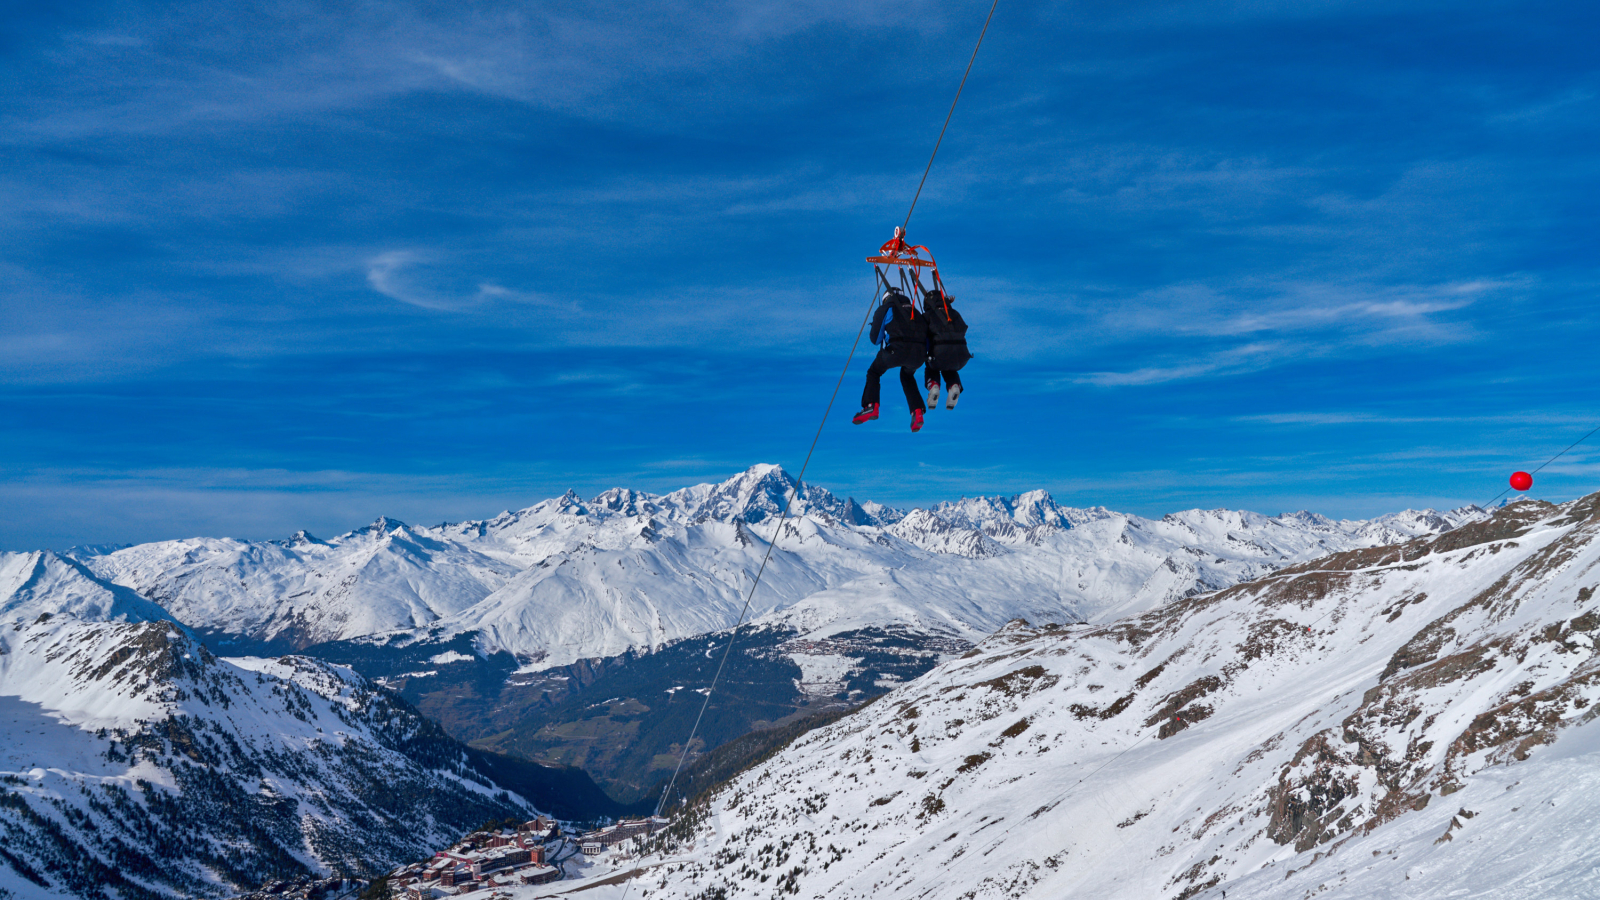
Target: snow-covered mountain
x,y
1416,720
567,579
42,582
304,590
135,764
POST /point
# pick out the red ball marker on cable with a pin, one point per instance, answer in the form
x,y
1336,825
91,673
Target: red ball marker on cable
x,y
1521,480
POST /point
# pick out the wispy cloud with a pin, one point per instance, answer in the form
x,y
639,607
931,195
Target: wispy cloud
x,y
296,58
1555,110
1233,361
1385,314
387,273
1368,313
1291,324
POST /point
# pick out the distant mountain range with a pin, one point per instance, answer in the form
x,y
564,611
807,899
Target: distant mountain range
x,y
568,579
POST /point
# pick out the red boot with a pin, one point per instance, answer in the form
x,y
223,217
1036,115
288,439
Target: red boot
x,y
916,420
867,414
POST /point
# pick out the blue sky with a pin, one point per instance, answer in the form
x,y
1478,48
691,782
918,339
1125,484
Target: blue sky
x,y
295,265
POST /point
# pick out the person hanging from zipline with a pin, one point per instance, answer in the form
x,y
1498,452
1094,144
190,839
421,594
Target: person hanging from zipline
x,y
947,347
902,337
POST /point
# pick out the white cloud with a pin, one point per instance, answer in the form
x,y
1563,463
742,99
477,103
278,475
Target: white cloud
x,y
1281,324
1233,361
386,273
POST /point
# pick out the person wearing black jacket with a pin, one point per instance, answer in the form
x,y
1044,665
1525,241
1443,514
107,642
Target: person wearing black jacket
x,y
947,347
902,335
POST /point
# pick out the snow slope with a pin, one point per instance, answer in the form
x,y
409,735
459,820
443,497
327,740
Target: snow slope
x,y
43,583
566,579
135,764
1412,721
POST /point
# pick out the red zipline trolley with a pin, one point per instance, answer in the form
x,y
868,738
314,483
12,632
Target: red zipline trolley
x,y
908,259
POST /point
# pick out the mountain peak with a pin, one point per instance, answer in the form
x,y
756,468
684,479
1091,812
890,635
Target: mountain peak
x,y
380,526
762,492
762,470
625,502
112,704
858,514
1306,518
1027,510
571,504
482,575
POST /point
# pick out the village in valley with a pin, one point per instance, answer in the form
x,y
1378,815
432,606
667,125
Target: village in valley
x,y
535,852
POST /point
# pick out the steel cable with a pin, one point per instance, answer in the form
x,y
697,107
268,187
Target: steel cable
x,y
800,478
771,545
948,115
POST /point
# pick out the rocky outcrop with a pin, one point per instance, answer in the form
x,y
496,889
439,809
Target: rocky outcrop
x,y
1288,736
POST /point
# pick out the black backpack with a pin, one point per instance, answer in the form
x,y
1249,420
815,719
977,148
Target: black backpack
x,y
945,325
903,323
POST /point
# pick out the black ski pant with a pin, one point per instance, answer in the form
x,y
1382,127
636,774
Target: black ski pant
x,y
889,357
946,358
932,375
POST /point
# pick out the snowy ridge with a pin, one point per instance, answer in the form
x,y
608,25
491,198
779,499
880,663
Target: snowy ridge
x,y
1026,510
133,763
568,579
378,578
1415,721
43,583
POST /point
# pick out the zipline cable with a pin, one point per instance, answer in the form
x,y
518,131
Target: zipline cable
x,y
773,543
947,116
1070,788
1546,463
800,479
1307,628
1487,506
789,504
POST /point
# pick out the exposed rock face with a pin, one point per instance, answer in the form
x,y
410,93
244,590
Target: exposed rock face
x,y
1290,734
